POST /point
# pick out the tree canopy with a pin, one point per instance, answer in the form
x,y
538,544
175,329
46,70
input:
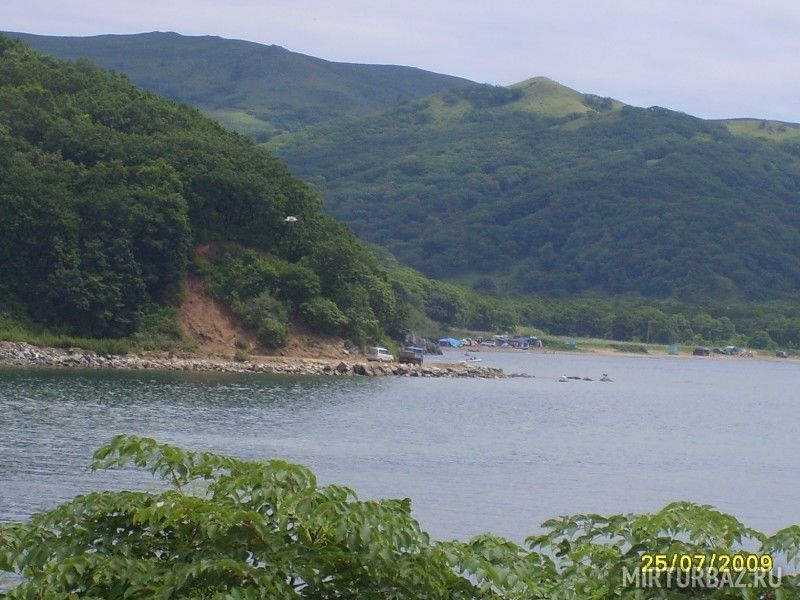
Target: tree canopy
x,y
104,188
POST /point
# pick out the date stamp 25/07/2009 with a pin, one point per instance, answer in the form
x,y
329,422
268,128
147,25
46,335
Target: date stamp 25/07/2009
x,y
722,563
704,571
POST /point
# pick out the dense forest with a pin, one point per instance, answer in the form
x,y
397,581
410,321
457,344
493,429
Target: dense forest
x,y
537,189
104,189
552,192
251,88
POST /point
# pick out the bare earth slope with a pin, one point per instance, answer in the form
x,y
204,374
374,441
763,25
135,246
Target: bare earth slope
x,y
218,332
208,322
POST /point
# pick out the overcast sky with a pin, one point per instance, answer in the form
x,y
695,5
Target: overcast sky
x,y
712,58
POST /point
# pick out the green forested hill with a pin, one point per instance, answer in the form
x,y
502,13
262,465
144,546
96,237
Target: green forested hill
x,y
249,87
104,188
540,189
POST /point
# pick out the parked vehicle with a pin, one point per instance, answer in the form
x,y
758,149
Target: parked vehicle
x,y
782,354
728,350
380,354
411,355
701,351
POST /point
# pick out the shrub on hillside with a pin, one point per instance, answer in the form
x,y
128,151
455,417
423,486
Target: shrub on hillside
x,y
267,316
323,314
272,332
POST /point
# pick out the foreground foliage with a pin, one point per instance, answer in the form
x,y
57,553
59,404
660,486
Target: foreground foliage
x,y
225,527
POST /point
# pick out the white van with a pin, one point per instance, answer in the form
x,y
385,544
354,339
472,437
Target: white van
x,y
377,353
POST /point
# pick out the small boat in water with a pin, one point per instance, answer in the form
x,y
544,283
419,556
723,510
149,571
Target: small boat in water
x,y
564,379
470,359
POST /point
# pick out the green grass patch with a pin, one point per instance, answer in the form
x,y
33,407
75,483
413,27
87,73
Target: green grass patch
x,y
633,348
100,346
545,97
159,331
244,123
553,343
761,128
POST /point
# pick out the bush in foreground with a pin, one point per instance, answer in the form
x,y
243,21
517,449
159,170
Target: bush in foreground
x,y
237,529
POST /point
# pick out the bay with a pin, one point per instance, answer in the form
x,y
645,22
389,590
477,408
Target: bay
x,y
475,456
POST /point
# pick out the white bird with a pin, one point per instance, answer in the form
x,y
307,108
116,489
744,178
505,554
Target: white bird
x,y
290,219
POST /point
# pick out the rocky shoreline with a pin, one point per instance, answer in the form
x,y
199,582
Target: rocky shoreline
x,y
21,354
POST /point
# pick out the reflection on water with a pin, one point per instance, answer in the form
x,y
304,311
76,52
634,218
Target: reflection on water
x,y
474,455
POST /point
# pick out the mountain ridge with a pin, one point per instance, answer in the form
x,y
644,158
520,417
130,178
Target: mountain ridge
x,y
262,123
254,88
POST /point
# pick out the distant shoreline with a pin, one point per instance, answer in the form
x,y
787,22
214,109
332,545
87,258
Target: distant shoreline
x,y
24,355
651,353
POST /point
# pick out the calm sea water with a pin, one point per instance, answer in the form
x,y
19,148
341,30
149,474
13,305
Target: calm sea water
x,y
474,456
